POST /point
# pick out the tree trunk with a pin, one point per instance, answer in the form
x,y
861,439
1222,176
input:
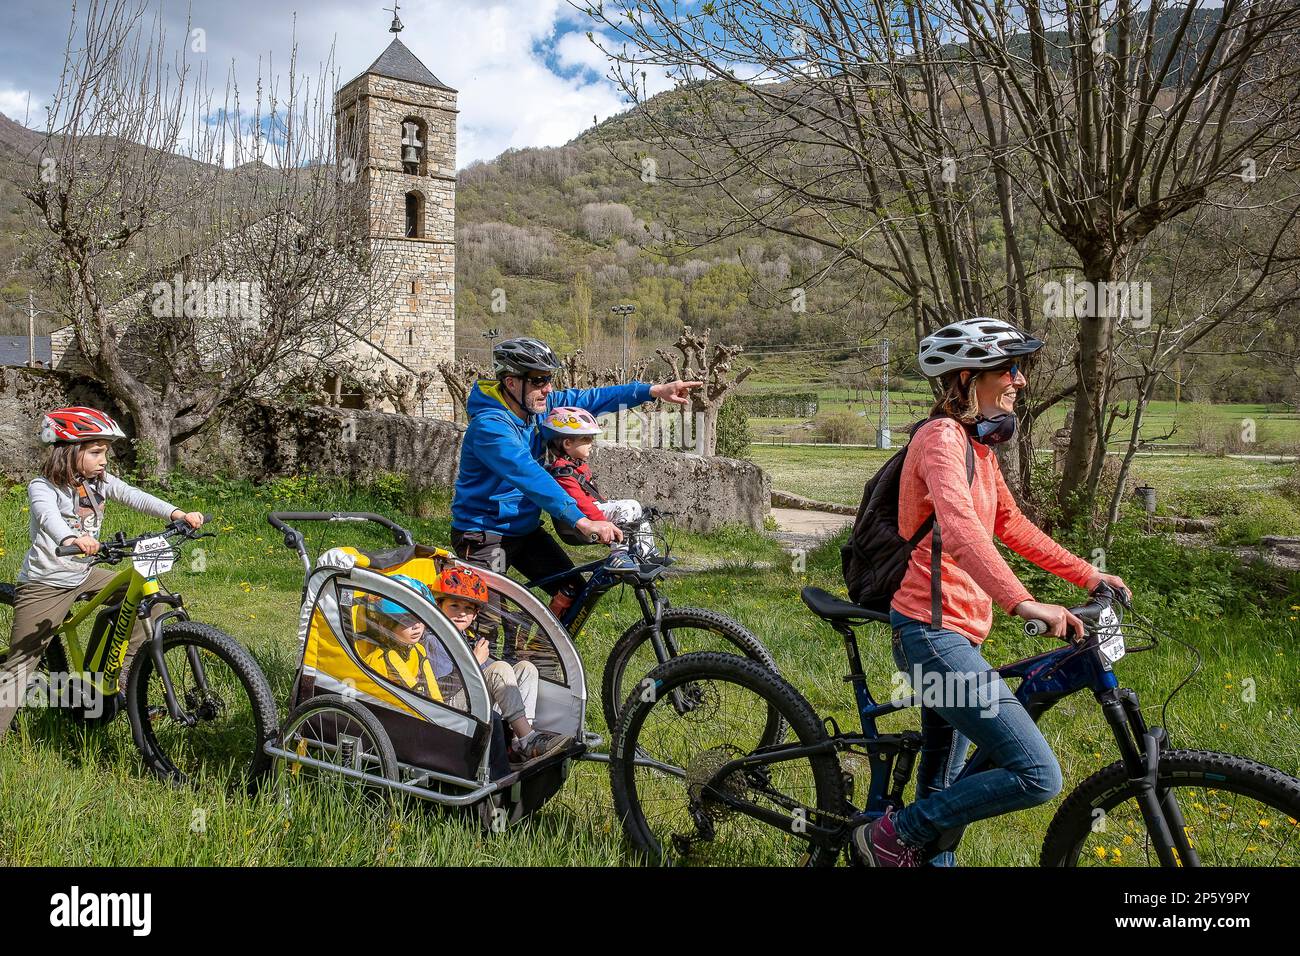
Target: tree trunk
x,y
1091,364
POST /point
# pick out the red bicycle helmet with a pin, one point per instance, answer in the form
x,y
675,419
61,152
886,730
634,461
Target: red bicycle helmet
x,y
76,423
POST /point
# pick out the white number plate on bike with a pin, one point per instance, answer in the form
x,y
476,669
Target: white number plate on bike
x,y
153,556
1110,637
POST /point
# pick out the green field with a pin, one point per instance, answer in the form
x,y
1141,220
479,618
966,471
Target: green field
x,y
75,797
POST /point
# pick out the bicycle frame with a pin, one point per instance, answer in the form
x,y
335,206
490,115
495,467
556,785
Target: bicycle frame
x,y
600,581
101,658
103,655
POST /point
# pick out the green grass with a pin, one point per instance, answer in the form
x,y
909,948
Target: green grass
x,y
74,797
821,473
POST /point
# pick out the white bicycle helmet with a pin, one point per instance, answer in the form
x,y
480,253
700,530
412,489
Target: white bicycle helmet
x,y
978,343
567,422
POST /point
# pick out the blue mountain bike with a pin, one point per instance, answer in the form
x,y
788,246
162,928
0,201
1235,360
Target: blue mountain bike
x,y
722,794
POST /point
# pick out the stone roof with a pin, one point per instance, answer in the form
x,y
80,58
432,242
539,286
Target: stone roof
x,y
399,63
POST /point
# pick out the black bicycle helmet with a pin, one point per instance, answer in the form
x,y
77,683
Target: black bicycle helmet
x,y
521,356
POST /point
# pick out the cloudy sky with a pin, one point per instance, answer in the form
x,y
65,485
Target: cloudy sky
x,y
526,72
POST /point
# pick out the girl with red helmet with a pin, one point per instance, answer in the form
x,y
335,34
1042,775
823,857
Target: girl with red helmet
x,y
460,593
66,505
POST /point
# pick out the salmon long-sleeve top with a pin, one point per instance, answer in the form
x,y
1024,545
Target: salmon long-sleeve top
x,y
973,574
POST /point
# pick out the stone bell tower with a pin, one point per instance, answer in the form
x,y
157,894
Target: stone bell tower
x,y
399,122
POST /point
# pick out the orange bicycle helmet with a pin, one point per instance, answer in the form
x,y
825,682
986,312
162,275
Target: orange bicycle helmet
x,y
458,581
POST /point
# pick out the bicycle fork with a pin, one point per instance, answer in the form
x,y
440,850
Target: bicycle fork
x,y
652,611
1140,749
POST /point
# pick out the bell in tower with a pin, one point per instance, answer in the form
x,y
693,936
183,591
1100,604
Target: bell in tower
x,y
411,147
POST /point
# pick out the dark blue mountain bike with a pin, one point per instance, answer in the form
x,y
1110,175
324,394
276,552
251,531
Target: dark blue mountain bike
x,y
664,631
722,794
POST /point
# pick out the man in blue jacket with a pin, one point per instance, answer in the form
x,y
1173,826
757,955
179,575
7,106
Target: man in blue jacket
x,y
502,487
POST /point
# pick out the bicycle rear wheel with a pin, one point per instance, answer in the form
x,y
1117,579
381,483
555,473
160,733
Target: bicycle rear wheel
x,y
1236,812
671,813
226,703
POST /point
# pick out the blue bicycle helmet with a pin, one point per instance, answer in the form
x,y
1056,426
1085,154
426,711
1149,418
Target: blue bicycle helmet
x,y
392,608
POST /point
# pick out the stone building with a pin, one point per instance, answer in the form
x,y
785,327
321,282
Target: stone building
x,y
399,122
396,129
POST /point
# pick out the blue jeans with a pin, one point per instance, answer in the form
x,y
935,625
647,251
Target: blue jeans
x,y
966,702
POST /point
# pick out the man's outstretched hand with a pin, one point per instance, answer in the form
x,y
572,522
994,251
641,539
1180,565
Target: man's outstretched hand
x,y
676,393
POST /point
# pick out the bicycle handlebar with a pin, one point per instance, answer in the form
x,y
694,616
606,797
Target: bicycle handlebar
x,y
1103,596
112,549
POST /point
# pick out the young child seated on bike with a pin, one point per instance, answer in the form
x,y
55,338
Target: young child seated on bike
x,y
460,594
571,438
67,507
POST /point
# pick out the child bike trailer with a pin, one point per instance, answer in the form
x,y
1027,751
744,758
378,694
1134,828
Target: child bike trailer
x,y
419,720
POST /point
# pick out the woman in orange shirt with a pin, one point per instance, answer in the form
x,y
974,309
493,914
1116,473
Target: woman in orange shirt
x,y
937,636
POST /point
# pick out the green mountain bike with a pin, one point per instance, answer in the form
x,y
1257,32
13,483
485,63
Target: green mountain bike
x,y
197,700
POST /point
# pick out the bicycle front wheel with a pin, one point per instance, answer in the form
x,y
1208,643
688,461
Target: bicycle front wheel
x,y
1235,811
227,710
671,811
683,630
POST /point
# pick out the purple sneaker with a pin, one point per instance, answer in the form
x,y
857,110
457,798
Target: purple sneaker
x,y
878,844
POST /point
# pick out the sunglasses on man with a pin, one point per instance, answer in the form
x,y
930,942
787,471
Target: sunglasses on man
x,y
537,381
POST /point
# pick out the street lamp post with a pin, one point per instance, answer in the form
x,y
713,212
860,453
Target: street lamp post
x,y
624,310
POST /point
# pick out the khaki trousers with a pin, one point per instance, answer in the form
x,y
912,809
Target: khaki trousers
x,y
39,611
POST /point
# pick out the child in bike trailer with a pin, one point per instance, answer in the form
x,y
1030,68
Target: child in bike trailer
x,y
460,594
392,644
939,620
67,507
571,438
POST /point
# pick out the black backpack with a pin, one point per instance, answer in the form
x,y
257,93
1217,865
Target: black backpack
x,y
875,559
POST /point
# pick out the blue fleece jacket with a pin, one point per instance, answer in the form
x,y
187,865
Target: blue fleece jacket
x,y
502,485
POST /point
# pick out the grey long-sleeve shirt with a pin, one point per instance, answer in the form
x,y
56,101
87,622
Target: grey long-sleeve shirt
x,y
56,515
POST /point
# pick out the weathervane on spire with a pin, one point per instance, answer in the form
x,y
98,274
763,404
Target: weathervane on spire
x,y
397,24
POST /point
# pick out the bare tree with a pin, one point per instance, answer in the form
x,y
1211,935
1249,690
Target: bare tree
x,y
202,253
959,154
459,377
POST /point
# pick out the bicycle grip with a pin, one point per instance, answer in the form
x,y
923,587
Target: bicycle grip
x,y
67,550
1036,628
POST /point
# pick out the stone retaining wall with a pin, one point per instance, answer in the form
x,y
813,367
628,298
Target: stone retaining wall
x,y
260,440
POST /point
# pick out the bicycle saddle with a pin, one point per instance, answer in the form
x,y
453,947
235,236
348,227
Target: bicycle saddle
x,y
830,608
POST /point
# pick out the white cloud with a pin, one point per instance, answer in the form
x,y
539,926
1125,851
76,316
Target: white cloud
x,y
14,104
508,96
574,49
